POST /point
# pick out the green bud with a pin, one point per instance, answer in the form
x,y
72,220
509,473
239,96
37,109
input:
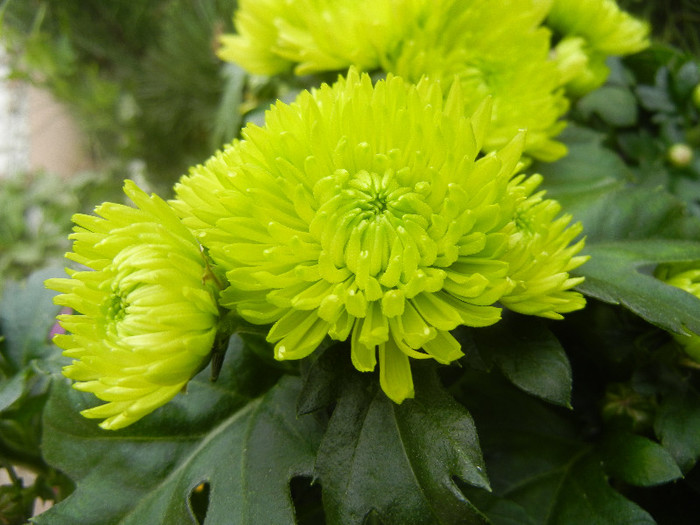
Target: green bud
x,y
680,155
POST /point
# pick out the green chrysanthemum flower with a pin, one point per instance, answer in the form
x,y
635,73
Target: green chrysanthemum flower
x,y
148,309
606,30
274,36
495,49
685,276
364,212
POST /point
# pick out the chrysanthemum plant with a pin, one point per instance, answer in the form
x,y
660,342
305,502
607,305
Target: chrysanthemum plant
x,y
384,303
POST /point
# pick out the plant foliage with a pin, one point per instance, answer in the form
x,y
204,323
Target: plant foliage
x,y
593,419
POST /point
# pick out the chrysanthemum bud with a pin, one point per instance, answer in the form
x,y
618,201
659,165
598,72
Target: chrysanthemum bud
x,y
366,212
146,311
680,155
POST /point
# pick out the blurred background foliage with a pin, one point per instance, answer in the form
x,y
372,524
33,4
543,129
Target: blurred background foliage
x,y
141,78
676,22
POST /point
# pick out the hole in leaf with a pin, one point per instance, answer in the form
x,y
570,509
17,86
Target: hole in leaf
x,y
199,501
306,497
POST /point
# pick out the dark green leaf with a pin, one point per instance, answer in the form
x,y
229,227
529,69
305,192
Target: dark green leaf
x,y
635,213
677,425
629,231
538,460
586,498
528,355
244,450
655,98
614,275
499,511
322,378
617,106
637,460
12,389
685,80
586,172
27,314
399,460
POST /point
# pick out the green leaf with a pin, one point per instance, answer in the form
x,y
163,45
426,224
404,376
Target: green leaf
x,y
538,459
587,498
323,377
685,79
588,170
618,273
499,511
12,389
529,355
657,98
637,460
399,460
635,213
677,425
617,106
628,232
244,450
27,360
27,314
228,115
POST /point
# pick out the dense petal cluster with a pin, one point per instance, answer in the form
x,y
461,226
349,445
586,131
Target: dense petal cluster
x,y
146,310
366,212
541,255
273,36
493,50
592,31
685,276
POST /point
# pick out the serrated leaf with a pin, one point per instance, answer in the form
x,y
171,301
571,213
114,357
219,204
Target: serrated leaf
x,y
637,460
538,460
618,273
635,213
529,355
628,232
399,461
677,425
245,449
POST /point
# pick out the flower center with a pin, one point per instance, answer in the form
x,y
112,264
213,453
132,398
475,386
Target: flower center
x,y
377,228
523,223
116,307
374,194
